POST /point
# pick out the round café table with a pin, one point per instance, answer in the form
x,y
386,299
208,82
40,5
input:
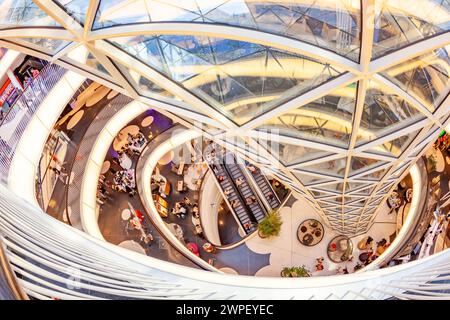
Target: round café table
x,y
147,121
112,94
126,214
122,136
75,119
340,249
310,232
98,95
125,162
105,167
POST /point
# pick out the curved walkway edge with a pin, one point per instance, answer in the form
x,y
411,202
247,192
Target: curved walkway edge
x,y
153,152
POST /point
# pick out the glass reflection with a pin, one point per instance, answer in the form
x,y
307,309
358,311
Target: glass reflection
x,y
401,22
426,76
334,25
50,46
394,147
76,8
240,79
23,13
328,120
290,154
332,167
383,114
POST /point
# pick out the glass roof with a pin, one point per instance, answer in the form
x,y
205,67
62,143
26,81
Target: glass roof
x,y
240,79
426,76
327,120
299,87
76,8
398,23
23,13
333,25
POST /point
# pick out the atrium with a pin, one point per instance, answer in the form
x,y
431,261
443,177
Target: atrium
x,y
192,149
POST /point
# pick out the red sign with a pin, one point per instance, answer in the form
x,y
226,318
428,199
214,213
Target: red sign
x,y
5,91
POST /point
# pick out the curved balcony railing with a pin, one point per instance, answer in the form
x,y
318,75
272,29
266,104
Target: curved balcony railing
x,y
52,260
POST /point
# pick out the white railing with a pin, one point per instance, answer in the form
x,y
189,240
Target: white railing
x,y
14,122
54,260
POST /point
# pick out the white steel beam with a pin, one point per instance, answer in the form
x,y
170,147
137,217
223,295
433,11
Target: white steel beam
x,y
227,32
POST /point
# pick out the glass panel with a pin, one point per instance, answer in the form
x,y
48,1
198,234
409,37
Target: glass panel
x,y
364,191
50,46
76,8
426,77
359,164
327,120
332,167
307,179
23,13
398,23
334,25
384,113
92,62
144,86
84,58
374,176
335,187
289,154
394,147
240,79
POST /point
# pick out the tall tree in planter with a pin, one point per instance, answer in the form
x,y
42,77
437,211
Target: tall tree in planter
x,y
270,225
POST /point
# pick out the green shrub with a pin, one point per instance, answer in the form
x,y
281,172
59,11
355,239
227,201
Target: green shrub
x,y
431,162
295,272
270,225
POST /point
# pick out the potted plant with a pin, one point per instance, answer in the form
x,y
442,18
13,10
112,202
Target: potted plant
x,y
431,163
295,272
270,225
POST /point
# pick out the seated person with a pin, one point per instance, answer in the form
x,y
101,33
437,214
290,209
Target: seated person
x,y
195,209
130,137
187,201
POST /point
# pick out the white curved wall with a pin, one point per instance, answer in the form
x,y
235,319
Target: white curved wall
x,y
209,205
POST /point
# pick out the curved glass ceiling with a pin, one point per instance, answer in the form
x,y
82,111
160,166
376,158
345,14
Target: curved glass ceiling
x,y
335,112
240,79
333,25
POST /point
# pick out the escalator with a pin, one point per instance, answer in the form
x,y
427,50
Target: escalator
x,y
235,172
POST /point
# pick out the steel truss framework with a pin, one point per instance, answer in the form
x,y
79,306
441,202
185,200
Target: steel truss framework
x,y
352,92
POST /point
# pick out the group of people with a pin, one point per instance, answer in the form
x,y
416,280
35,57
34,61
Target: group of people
x,y
181,209
136,142
103,194
137,223
124,182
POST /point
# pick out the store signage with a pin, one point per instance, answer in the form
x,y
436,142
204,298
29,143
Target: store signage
x,y
7,93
